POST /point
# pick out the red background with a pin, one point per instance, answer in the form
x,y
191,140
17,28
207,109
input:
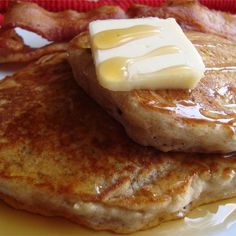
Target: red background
x,y
83,5
59,5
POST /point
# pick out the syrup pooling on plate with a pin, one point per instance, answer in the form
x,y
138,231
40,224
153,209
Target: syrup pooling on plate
x,y
211,215
115,37
204,220
116,67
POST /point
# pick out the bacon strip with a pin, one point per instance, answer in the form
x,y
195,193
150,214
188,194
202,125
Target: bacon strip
x,y
13,49
30,54
59,26
191,16
11,40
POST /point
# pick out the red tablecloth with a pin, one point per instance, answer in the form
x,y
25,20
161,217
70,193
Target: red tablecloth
x,y
83,5
1,18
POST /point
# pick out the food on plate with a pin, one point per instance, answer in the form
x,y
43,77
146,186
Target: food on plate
x,y
13,48
29,54
65,25
56,26
198,120
191,15
10,40
62,155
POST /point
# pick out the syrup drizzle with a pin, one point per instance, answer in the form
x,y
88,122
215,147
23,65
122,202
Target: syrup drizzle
x,y
115,37
117,67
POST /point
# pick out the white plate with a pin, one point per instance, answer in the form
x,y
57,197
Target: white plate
x,y
217,219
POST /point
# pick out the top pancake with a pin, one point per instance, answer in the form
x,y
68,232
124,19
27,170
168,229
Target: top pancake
x,y
198,120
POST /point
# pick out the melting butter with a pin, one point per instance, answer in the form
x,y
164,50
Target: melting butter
x,y
147,53
116,67
115,37
181,73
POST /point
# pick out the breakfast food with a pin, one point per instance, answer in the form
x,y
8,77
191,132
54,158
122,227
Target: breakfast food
x,y
28,54
191,15
63,26
198,120
62,155
145,53
57,27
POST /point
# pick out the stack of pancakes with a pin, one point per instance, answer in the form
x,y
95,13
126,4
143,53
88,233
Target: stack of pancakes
x,y
61,154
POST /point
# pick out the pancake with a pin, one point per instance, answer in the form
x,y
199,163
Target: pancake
x,y
62,155
198,120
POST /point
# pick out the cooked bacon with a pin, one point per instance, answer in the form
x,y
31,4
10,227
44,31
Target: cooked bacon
x,y
11,40
59,26
178,2
13,49
30,54
81,41
191,16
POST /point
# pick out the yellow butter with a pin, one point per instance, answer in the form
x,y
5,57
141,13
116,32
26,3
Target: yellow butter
x,y
146,53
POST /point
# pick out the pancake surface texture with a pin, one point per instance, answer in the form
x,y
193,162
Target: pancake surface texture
x,y
62,155
199,120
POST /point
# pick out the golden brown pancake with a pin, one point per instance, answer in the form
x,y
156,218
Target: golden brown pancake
x,y
198,120
62,155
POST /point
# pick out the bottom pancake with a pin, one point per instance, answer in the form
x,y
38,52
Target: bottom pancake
x,y
62,155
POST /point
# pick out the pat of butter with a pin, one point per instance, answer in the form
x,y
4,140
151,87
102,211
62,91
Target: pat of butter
x,y
145,53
